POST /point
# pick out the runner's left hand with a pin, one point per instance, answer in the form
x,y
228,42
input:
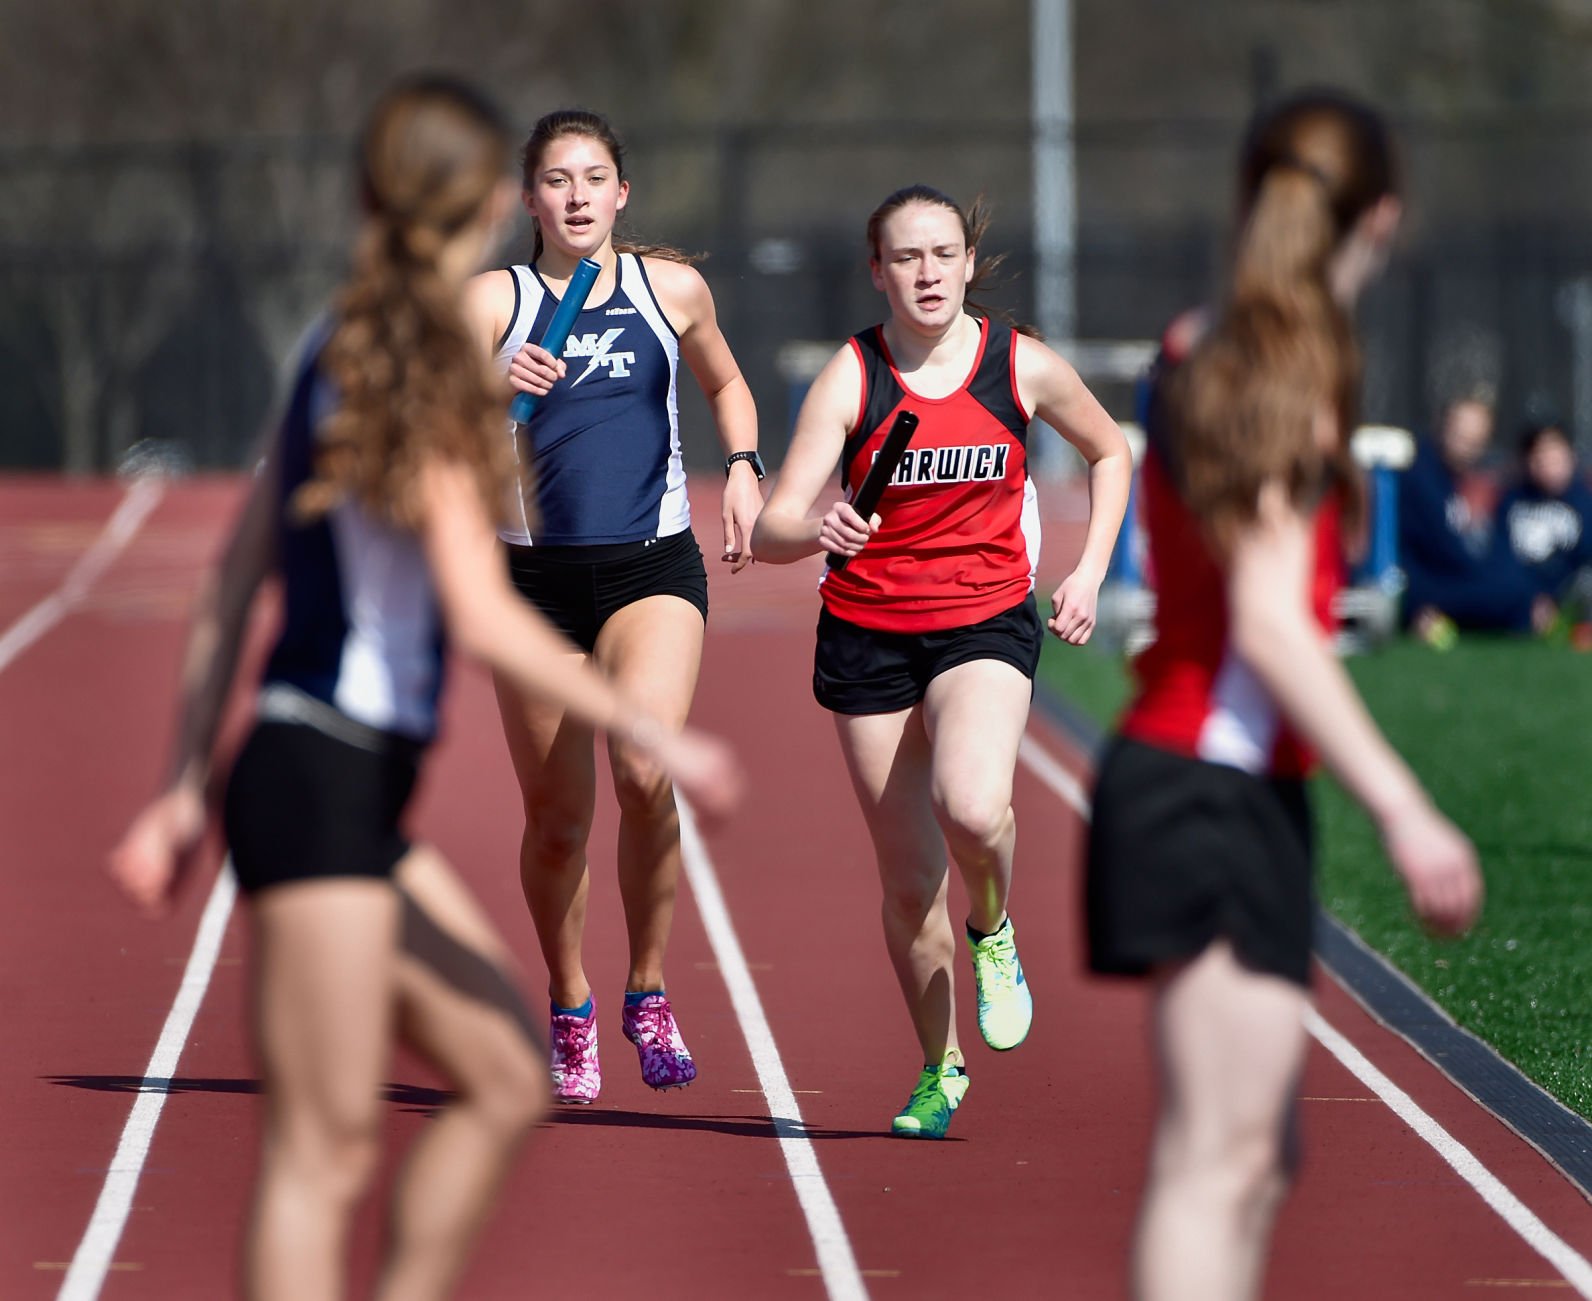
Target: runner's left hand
x,y
743,502
1073,608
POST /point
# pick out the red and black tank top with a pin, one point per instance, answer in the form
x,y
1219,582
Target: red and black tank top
x,y
1195,696
959,537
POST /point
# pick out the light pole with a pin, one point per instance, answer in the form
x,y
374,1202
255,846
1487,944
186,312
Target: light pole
x,y
1055,214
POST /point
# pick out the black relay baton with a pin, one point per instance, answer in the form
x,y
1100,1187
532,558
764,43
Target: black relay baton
x,y
879,474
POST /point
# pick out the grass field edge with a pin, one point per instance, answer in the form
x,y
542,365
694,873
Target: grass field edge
x,y
1560,1135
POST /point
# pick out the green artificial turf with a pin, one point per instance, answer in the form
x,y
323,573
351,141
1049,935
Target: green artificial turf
x,y
1501,733
1096,682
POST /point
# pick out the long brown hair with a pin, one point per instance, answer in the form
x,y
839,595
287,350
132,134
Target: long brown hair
x,y
975,224
583,122
1245,408
409,377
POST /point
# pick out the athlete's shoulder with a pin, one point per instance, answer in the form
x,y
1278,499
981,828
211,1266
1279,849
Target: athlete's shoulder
x,y
673,280
308,378
868,339
495,287
1026,349
837,387
681,293
489,301
865,354
1040,372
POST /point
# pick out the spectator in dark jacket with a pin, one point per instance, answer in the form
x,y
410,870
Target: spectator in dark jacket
x,y
1457,574
1546,522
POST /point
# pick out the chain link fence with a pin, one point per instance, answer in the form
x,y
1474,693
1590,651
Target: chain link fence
x,y
156,291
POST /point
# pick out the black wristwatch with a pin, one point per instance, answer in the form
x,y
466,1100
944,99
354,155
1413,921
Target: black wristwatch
x,y
753,457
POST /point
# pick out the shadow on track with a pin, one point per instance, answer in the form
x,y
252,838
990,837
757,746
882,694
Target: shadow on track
x,y
735,1126
411,1097
426,1101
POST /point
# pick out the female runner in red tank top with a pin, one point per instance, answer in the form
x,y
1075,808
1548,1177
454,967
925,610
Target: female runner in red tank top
x,y
929,637
1200,844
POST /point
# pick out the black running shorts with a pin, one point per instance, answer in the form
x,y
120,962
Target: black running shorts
x,y
1183,852
580,588
303,805
863,671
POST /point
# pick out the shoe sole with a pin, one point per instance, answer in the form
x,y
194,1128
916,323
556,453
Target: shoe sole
x,y
574,1102
925,1133
664,1088
661,1088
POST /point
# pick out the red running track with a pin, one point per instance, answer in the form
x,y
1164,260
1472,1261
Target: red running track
x,y
678,1195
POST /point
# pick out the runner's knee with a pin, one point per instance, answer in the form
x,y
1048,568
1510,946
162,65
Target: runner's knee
x,y
641,788
910,899
514,1091
555,837
335,1155
1242,1171
974,818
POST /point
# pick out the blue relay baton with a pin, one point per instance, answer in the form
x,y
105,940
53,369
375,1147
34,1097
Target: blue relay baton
x,y
586,273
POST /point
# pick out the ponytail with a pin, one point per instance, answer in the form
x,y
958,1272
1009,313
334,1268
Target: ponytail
x,y
976,225
409,377
1253,404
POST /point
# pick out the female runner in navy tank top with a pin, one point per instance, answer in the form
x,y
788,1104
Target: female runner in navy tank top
x,y
1200,847
613,563
376,504
929,637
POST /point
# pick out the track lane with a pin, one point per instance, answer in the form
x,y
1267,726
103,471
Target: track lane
x,y
1038,1183
1351,1206
635,1149
85,985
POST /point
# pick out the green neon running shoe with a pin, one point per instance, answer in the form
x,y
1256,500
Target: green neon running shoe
x,y
1005,1007
939,1092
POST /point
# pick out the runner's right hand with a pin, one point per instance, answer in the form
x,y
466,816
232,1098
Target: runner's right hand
x,y
150,861
535,370
843,532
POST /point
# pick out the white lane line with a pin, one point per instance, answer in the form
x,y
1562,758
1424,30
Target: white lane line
x,y
92,1260
1564,1258
1049,770
1508,1207
142,497
836,1263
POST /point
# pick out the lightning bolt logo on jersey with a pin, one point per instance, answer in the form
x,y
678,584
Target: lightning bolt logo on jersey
x,y
605,441
599,350
960,534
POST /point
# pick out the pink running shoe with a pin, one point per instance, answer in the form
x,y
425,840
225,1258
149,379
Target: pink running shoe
x,y
576,1075
665,1061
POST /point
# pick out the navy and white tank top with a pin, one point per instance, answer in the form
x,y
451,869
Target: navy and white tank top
x,y
605,442
362,635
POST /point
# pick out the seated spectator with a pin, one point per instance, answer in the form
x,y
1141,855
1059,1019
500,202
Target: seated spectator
x,y
1456,575
1547,523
